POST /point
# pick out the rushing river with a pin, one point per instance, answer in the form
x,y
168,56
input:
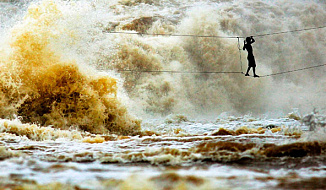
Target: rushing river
x,y
83,104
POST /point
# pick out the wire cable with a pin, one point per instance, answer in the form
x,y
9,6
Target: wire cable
x,y
240,55
285,72
214,36
290,31
218,72
177,35
180,72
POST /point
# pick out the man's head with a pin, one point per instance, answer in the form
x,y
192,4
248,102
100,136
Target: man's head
x,y
248,39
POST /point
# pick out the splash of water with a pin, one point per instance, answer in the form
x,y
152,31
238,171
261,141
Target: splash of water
x,y
37,84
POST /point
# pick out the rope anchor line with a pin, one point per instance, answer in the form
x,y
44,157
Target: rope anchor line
x,y
295,70
240,55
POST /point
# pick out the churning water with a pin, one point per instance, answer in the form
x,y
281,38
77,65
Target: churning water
x,y
72,118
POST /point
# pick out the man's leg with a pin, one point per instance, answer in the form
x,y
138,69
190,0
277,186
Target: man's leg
x,y
247,73
254,70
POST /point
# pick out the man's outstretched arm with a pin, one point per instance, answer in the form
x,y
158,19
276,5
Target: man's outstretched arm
x,y
252,40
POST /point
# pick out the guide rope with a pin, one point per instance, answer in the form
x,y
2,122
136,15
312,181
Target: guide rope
x,y
175,35
290,31
214,36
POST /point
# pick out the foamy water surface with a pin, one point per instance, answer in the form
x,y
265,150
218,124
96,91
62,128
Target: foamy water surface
x,y
190,154
73,116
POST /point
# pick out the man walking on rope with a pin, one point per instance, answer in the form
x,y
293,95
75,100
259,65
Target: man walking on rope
x,y
251,58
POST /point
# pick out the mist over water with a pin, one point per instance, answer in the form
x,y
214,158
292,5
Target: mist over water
x,y
84,37
72,117
205,94
82,34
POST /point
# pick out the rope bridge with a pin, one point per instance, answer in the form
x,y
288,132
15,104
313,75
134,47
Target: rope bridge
x,y
213,36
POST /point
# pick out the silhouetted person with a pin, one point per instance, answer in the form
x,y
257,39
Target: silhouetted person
x,y
251,58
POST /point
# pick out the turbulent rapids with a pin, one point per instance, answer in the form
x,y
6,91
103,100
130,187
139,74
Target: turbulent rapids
x,y
41,87
70,118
